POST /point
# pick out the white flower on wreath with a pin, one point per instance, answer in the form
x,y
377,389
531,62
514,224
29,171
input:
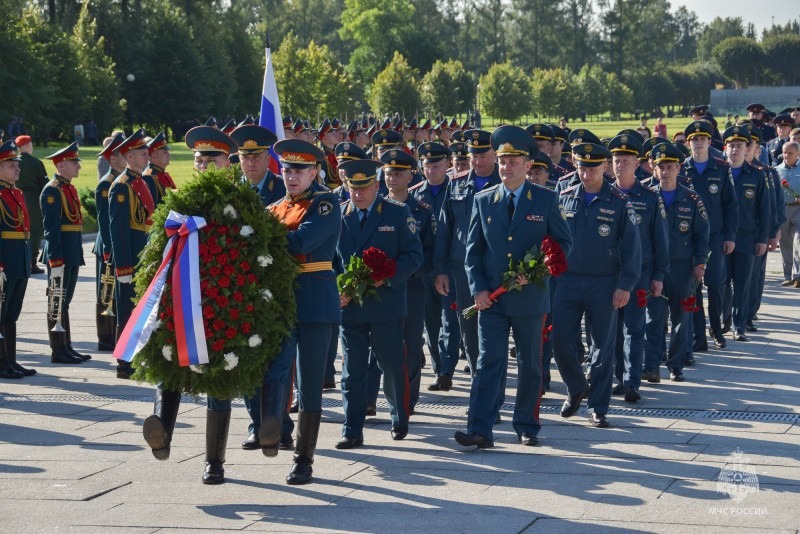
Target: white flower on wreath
x,y
157,324
265,261
231,361
267,294
254,341
197,369
166,351
230,211
246,231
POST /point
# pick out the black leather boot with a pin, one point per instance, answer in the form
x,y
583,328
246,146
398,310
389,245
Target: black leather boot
x,y
106,326
307,432
158,428
124,369
58,345
10,339
217,424
7,371
68,333
273,405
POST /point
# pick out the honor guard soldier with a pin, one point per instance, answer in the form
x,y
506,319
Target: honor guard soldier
x,y
156,176
754,224
15,259
688,230
376,327
711,179
451,232
397,171
507,222
651,221
130,207
63,250
104,306
254,142
602,270
441,321
312,217
32,178
210,146
329,137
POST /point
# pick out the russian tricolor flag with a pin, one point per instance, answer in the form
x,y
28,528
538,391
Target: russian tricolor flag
x,y
270,116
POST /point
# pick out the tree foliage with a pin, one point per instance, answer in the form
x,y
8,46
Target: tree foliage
x,y
740,58
504,92
395,89
447,88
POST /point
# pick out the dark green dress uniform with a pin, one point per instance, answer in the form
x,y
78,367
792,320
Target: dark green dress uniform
x,y
106,324
32,179
377,325
15,260
130,207
505,225
688,230
63,247
712,182
451,236
606,256
158,180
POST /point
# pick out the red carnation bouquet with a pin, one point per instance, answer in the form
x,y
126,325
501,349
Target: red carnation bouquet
x,y
362,274
642,295
785,185
536,266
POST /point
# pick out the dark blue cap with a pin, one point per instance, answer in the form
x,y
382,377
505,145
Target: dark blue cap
x,y
386,137
360,173
459,150
432,151
590,154
630,132
754,131
513,141
67,153
9,151
296,153
650,143
212,121
398,159
559,133
541,131
582,135
253,139
347,151
209,141
736,133
625,144
478,141
664,152
543,160
700,127
458,137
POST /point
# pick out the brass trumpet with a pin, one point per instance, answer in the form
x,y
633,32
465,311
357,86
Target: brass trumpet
x,y
55,302
107,281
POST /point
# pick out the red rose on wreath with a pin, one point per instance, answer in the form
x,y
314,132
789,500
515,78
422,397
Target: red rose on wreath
x,y
238,297
224,281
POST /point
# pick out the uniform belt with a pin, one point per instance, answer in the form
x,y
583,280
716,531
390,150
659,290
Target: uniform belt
x,y
71,228
141,227
15,235
795,203
316,266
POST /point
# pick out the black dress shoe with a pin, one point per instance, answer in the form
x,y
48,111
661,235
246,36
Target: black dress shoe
x,y
676,375
750,327
399,433
65,358
371,410
467,369
251,443
598,420
740,337
632,395
719,341
529,440
689,361
473,440
512,352
287,442
573,404
299,475
654,377
755,317
214,473
701,346
35,269
349,443
330,383
105,347
726,325
445,382
619,389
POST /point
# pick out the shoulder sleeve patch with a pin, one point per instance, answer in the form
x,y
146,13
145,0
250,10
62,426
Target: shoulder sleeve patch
x,y
412,224
121,198
51,199
325,207
104,193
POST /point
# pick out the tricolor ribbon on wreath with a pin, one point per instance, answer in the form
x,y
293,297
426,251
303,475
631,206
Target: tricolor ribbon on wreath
x,y
190,338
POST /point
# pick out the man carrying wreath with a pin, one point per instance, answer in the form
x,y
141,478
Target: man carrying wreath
x,y
507,222
375,322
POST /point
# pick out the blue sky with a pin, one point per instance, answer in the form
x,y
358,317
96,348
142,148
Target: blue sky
x,y
759,13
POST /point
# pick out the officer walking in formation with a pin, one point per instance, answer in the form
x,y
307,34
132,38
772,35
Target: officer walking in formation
x,y
63,250
508,221
15,259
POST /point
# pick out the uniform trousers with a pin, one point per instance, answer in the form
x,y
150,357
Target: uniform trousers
x,y
629,352
678,285
490,376
740,273
592,295
441,328
469,327
13,295
385,340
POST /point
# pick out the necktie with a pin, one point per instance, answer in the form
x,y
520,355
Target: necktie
x,y
511,206
363,216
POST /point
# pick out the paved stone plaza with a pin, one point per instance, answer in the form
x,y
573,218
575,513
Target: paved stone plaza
x,y
72,456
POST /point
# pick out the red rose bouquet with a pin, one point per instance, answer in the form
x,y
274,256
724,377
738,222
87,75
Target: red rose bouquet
x,y
362,274
536,266
785,185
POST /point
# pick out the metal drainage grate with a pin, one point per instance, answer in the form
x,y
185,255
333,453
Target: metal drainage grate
x,y
333,402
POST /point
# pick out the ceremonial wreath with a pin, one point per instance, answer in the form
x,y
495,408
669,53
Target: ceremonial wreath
x,y
216,291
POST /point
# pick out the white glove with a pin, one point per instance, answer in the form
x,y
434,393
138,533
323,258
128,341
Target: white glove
x,y
127,279
56,272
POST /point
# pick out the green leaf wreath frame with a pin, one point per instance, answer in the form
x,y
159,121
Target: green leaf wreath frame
x,y
247,289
